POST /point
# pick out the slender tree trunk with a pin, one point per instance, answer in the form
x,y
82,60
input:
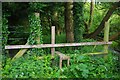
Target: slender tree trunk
x,y
91,16
55,22
105,19
69,22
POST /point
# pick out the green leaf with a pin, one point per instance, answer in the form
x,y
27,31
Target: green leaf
x,y
82,66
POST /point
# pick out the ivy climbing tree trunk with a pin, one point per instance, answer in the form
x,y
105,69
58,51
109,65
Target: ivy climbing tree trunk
x,y
34,38
69,22
78,21
35,34
105,19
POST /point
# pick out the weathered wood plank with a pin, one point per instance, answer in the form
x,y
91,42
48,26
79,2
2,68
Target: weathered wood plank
x,y
55,45
95,53
106,36
20,53
59,53
53,40
62,57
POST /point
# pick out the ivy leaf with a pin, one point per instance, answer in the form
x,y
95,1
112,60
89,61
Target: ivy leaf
x,y
80,58
85,73
82,66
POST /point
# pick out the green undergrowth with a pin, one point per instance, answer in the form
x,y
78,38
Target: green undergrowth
x,y
45,67
58,38
81,66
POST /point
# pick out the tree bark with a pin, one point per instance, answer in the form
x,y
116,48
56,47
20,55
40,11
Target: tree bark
x,y
105,19
55,22
115,36
91,16
69,22
78,21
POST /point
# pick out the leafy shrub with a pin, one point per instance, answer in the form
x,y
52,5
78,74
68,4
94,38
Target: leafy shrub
x,y
81,66
28,67
5,31
4,37
91,67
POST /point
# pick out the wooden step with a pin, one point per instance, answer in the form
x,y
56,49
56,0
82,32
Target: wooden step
x,y
62,57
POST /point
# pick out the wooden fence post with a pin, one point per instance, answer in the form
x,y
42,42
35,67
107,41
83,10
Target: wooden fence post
x,y
106,36
53,40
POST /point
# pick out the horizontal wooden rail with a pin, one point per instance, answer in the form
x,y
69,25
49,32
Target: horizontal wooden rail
x,y
55,45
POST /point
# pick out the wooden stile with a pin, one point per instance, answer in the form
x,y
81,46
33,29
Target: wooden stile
x,y
55,45
62,57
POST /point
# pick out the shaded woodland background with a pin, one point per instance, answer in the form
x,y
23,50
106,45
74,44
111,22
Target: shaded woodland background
x,y
77,20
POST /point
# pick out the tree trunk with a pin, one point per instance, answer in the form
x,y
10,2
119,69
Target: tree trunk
x,y
78,21
105,19
37,38
55,22
91,16
69,22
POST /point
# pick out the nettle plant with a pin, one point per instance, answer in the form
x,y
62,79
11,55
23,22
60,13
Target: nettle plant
x,y
35,33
